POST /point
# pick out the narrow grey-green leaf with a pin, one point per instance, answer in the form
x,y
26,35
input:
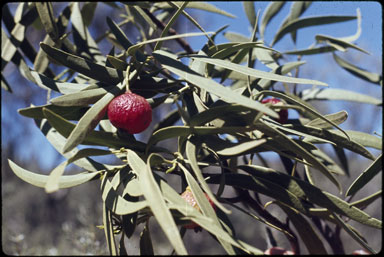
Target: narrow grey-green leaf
x,y
79,64
338,42
306,107
175,131
67,112
338,94
62,87
117,204
170,23
156,201
45,11
169,61
109,139
299,23
297,9
366,176
337,118
41,180
91,118
204,205
311,51
309,236
249,9
305,190
132,50
191,154
197,5
352,233
82,98
359,72
271,11
255,73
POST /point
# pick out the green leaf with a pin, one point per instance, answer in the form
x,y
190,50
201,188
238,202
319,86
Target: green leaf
x,y
47,18
102,138
310,51
108,229
304,106
353,234
41,180
170,23
67,112
204,205
53,180
249,9
177,131
98,72
309,236
297,9
359,72
62,87
91,118
255,73
271,11
191,155
82,98
299,23
337,118
132,50
338,139
313,194
176,202
169,61
117,204
156,202
123,39
338,94
338,43
289,143
196,5
366,176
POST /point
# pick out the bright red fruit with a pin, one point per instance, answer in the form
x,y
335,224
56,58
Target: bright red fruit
x,y
283,113
130,112
187,195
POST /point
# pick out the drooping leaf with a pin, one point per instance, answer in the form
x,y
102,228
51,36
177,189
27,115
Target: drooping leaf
x,y
305,190
41,180
299,23
169,61
91,118
256,73
271,11
338,94
156,202
359,72
197,5
366,176
101,73
309,236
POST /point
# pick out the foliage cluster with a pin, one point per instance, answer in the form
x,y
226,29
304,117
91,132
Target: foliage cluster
x,y
225,127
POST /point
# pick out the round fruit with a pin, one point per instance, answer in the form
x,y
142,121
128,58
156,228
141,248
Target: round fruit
x,y
187,195
283,113
278,251
130,112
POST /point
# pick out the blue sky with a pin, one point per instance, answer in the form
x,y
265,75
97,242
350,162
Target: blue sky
x,y
370,40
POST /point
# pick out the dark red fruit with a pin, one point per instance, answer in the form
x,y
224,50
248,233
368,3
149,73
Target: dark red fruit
x,y
283,113
187,195
130,112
